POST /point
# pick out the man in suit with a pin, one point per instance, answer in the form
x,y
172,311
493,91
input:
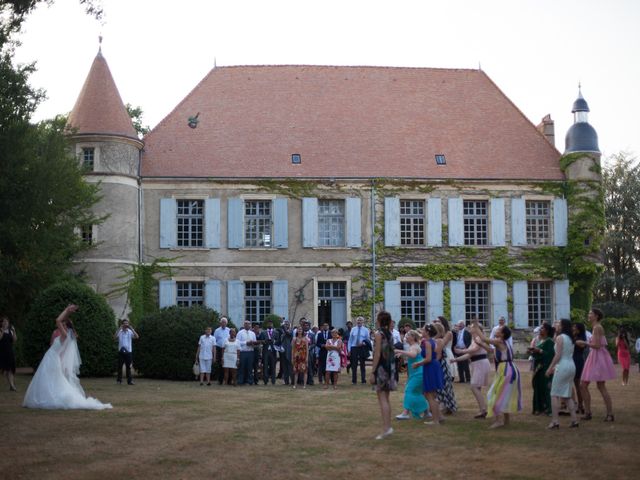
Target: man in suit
x,y
284,337
462,339
358,350
268,337
321,339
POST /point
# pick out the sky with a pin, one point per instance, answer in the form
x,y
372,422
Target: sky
x,y
536,51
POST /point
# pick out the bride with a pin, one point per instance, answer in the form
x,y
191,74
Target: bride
x,y
55,383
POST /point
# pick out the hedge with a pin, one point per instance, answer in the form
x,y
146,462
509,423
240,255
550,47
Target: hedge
x,y
94,321
168,341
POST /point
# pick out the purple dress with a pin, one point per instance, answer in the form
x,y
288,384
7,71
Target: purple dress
x,y
431,372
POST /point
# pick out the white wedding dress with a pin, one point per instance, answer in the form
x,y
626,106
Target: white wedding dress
x,y
55,384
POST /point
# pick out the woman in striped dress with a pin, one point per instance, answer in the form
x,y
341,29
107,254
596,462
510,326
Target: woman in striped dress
x,y
505,394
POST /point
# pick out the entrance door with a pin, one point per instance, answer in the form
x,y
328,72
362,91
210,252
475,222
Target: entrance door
x,y
332,304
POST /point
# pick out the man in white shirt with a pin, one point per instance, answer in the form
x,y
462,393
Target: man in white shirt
x,y
221,334
125,334
358,350
501,323
206,355
246,340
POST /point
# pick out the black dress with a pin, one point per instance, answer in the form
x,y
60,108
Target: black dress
x,y
7,357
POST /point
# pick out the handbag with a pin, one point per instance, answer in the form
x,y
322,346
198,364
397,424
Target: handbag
x,y
196,369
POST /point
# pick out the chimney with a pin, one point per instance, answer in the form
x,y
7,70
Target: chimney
x,y
547,129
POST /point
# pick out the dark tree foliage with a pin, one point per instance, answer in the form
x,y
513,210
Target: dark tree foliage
x,y
43,197
620,282
94,321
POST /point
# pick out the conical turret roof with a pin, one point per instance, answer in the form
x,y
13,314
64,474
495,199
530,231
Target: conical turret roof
x,y
99,109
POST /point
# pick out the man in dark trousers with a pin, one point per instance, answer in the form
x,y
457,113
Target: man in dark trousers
x,y
268,337
321,339
358,350
283,346
125,334
462,339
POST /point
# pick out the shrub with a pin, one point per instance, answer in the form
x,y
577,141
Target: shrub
x,y
403,321
168,341
94,321
276,319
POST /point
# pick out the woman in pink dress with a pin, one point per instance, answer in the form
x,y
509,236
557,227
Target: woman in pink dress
x,y
624,356
598,367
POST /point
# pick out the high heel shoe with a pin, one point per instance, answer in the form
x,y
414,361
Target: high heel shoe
x,y
609,418
553,426
481,415
586,416
574,425
12,389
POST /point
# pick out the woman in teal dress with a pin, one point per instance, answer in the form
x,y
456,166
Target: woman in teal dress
x,y
414,402
542,354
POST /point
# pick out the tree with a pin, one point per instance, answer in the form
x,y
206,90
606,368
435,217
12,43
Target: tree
x,y
136,118
43,197
620,281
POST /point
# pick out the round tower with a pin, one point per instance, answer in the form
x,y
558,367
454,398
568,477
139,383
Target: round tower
x,y
582,142
108,148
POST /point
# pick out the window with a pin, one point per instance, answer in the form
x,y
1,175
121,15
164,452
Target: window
x,y
476,302
413,302
190,223
538,222
296,159
257,223
88,157
412,222
539,300
440,159
86,233
189,293
257,301
475,216
331,223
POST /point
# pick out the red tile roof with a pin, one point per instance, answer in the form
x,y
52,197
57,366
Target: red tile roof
x,y
348,122
99,108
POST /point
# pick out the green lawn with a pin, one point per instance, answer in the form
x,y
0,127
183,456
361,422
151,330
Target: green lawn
x,y
161,429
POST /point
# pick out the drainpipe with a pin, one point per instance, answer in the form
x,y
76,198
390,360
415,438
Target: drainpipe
x,y
373,248
139,207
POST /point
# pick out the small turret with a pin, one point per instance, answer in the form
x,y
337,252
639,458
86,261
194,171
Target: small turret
x,y
581,136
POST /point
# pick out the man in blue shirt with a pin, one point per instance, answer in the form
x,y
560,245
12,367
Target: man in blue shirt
x,y
358,350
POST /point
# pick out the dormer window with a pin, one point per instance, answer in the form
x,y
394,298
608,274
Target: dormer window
x,y
440,159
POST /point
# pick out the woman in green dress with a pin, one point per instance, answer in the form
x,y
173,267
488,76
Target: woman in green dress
x,y
414,403
542,354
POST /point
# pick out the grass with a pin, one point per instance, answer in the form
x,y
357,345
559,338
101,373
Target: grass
x,y
161,429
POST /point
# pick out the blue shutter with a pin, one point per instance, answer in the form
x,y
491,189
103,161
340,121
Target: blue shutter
x,y
456,227
391,221
435,299
235,302
561,299
392,299
497,219
434,222
280,223
235,223
280,298
518,223
309,222
212,297
354,222
212,222
520,304
499,306
458,311
560,222
168,222
167,293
